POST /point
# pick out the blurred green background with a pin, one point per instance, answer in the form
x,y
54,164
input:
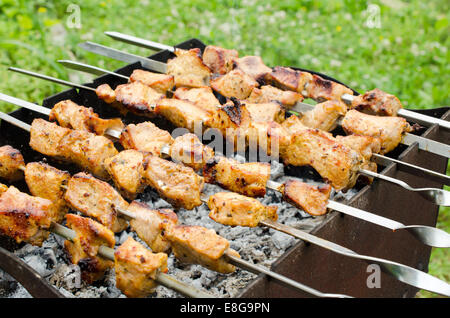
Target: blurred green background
x,y
400,47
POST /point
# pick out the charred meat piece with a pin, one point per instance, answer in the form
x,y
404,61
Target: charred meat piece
x,y
199,245
11,162
252,66
83,249
150,225
246,178
145,137
219,60
268,93
202,97
126,170
138,98
24,217
266,112
233,209
188,150
336,163
377,102
70,115
234,84
96,199
325,115
321,89
390,130
46,138
47,182
136,268
310,198
177,184
159,82
286,78
188,69
106,93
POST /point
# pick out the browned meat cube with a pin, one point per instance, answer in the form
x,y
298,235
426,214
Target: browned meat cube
x,y
233,209
268,93
188,150
96,199
246,178
188,69
390,130
137,267
138,98
182,113
3,188
106,93
234,84
288,79
202,97
70,115
336,163
269,137
11,163
218,59
159,82
47,182
84,248
310,198
177,184
126,170
252,66
266,112
199,245
321,89
145,137
46,138
325,115
150,225
293,124
24,217
377,102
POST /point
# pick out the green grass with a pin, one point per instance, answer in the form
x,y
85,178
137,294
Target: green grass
x,y
408,56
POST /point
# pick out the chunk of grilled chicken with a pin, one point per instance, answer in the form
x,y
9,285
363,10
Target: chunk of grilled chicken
x,y
188,150
202,97
136,268
159,82
199,245
11,162
233,209
126,170
310,198
71,115
267,137
106,93
46,138
218,59
266,112
268,93
321,89
47,182
83,249
96,199
150,225
236,84
377,102
138,98
3,188
175,183
145,137
286,78
252,66
24,217
246,178
336,163
188,69
325,115
389,130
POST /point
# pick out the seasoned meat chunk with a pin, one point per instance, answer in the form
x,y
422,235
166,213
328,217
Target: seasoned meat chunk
x,y
321,89
24,217
199,245
159,82
325,115
293,124
310,198
70,115
126,170
11,163
202,97
219,60
288,79
84,248
177,184
266,112
269,137
106,93
390,130
145,137
96,199
150,225
136,268
246,178
188,150
234,84
268,93
237,210
47,182
46,138
252,66
377,102
188,69
138,98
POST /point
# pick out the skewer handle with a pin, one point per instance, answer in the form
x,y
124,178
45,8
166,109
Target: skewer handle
x,y
78,66
139,41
